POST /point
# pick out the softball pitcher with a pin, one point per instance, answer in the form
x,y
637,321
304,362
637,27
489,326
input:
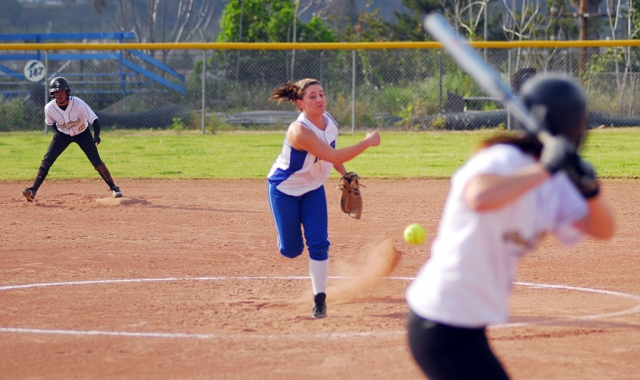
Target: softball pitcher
x,y
296,180
69,116
502,201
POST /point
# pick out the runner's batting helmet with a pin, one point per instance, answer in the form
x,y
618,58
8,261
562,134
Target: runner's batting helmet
x,y
59,83
561,101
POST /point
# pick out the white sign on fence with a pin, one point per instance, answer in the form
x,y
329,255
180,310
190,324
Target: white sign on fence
x,y
34,71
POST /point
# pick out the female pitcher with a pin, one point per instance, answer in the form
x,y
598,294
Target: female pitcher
x,y
296,180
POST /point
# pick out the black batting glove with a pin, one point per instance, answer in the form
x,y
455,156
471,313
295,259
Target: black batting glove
x,y
583,176
96,139
557,152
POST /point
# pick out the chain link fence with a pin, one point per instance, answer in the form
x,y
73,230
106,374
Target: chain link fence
x,y
392,89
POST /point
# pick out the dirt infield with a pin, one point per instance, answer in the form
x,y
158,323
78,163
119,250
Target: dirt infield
x,y
187,283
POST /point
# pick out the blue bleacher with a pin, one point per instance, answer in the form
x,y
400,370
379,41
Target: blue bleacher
x,y
131,77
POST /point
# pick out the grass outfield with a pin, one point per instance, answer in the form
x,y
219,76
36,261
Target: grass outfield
x,y
168,154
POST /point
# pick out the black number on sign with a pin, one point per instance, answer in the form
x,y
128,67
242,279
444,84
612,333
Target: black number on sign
x,y
35,72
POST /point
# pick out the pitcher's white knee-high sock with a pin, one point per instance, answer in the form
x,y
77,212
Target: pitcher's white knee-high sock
x,y
319,271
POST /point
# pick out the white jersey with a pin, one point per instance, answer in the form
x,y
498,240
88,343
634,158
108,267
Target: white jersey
x,y
297,172
73,120
467,280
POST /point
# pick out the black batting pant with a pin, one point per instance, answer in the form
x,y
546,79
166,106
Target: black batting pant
x,y
446,352
60,142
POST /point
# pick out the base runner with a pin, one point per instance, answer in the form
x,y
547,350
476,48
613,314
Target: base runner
x,y
69,117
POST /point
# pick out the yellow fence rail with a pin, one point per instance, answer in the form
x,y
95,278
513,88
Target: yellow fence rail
x,y
312,45
213,85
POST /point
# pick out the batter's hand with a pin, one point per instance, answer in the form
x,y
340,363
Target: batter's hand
x,y
97,140
557,153
583,175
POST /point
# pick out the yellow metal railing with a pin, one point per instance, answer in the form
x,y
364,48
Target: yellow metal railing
x,y
310,45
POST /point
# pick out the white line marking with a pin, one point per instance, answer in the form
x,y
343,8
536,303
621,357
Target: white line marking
x,y
633,310
167,279
376,334
19,330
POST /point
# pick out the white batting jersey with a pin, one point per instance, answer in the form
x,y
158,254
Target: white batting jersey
x,y
73,120
467,280
297,172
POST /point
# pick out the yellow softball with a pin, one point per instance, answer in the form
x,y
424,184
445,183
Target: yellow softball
x,y
414,234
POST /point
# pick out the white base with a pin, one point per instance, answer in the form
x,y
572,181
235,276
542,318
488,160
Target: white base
x,y
118,201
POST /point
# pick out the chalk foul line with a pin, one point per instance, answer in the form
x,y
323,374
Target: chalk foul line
x,y
343,335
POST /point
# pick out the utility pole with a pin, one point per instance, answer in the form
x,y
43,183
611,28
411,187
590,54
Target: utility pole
x,y
239,40
583,13
486,28
583,16
293,52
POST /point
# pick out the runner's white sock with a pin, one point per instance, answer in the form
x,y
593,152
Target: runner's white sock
x,y
319,271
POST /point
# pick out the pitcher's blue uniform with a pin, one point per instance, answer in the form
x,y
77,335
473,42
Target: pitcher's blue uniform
x,y
296,180
297,196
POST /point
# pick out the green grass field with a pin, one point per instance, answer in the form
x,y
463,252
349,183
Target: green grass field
x,y
185,154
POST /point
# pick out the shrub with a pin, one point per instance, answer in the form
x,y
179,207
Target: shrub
x,y
18,116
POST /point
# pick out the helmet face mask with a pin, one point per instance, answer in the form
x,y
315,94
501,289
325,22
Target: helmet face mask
x,y
559,102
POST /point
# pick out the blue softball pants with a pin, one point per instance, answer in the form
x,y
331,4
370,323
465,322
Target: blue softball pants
x,y
295,214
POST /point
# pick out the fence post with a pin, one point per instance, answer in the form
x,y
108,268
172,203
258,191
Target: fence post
x,y
353,91
322,66
204,72
509,79
440,81
46,90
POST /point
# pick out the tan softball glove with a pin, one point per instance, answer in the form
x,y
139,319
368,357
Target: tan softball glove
x,y
350,198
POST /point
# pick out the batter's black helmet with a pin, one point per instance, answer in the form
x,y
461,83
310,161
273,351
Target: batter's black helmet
x,y
59,83
562,102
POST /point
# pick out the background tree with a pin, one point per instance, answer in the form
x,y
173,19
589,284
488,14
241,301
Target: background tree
x,y
272,21
368,27
618,64
257,21
299,11
408,26
525,23
345,12
562,24
466,15
150,19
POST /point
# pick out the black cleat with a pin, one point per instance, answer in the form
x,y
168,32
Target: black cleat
x,y
29,193
115,191
320,306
